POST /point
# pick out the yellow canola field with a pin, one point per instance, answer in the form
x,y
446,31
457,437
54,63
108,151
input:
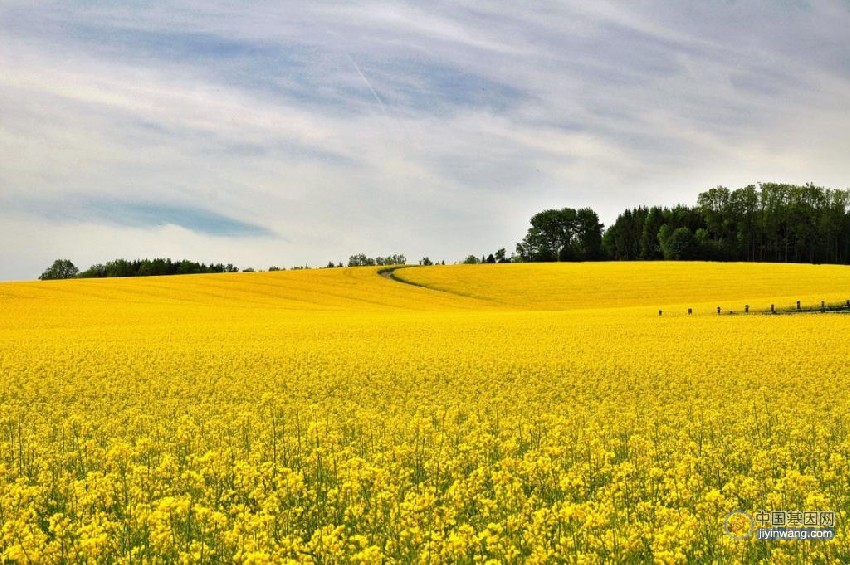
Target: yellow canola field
x,y
339,416
568,286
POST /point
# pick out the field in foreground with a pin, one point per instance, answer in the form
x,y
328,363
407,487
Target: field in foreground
x,y
513,412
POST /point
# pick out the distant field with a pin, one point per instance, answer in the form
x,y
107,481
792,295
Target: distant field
x,y
568,286
520,413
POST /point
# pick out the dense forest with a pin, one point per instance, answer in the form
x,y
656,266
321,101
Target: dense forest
x,y
765,223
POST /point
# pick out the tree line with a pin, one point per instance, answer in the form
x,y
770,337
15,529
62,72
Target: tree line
x,y
361,260
765,223
65,269
768,222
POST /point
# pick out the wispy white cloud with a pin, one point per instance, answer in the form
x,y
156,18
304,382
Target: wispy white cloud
x,y
325,129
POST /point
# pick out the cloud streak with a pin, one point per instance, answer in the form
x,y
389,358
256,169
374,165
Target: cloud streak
x,y
150,214
385,127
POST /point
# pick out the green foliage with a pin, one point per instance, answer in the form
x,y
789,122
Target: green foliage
x,y
153,268
650,248
562,235
471,260
680,245
766,223
361,260
60,269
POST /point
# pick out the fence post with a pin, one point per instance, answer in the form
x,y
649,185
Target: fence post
x,y
772,309
659,312
690,311
718,310
798,305
747,308
822,305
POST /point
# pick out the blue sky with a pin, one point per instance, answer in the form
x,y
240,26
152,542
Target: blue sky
x,y
290,133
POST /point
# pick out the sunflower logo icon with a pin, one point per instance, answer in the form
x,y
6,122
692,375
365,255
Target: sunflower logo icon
x,y
739,525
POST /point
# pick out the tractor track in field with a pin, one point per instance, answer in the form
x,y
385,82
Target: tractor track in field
x,y
389,273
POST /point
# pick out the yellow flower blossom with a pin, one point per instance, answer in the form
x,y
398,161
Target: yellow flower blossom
x,y
516,414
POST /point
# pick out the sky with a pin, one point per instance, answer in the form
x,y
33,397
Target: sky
x,y
296,133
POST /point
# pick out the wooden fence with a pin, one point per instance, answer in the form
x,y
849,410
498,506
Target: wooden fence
x,y
798,307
